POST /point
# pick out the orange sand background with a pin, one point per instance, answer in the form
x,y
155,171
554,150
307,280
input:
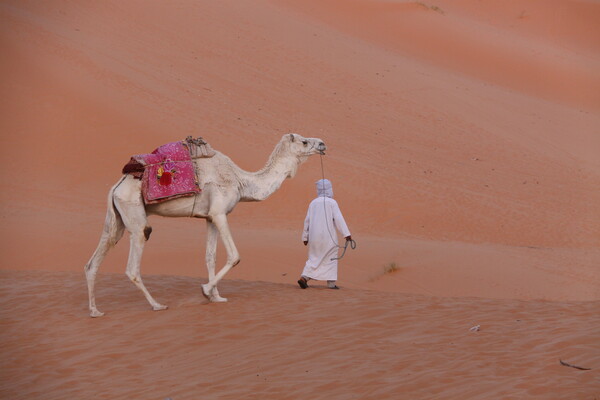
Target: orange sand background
x,y
463,147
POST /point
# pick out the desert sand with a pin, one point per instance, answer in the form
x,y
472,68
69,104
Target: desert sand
x,y
463,147
276,341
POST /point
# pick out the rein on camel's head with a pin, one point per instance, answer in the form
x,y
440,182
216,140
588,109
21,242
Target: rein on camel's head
x,y
319,148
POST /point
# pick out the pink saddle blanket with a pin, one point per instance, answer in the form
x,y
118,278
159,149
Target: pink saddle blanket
x,y
166,173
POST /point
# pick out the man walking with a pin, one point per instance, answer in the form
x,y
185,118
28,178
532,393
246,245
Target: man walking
x,y
322,220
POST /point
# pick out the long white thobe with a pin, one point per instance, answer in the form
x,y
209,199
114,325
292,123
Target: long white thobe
x,y
322,220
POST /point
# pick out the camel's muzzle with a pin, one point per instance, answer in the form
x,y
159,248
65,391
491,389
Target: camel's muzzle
x,y
321,148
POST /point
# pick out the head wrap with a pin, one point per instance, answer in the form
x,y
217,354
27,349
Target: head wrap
x,y
324,188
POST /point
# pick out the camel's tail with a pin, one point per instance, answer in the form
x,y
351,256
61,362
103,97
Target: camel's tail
x,y
111,234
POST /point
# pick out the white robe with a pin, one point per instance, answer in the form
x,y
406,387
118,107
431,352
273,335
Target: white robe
x,y
322,220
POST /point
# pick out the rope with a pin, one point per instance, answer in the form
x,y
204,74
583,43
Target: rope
x,y
351,241
352,246
193,157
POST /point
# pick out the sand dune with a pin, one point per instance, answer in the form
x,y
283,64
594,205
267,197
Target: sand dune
x,y
86,88
462,143
544,49
275,341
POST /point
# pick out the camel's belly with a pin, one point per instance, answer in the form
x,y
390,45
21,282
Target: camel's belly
x,y
180,207
209,202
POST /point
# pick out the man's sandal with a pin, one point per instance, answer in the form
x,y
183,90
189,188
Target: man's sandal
x,y
302,283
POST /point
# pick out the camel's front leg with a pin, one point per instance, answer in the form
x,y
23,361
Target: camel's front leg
x,y
133,269
211,259
233,257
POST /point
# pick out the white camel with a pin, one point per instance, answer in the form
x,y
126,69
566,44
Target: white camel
x,y
223,185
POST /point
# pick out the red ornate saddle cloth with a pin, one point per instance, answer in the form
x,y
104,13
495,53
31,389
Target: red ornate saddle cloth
x,y
169,171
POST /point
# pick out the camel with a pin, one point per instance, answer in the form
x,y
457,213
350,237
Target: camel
x,y
223,184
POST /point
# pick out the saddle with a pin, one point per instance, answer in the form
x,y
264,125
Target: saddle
x,y
169,171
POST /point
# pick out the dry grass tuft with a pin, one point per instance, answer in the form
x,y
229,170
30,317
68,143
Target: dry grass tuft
x,y
431,7
390,268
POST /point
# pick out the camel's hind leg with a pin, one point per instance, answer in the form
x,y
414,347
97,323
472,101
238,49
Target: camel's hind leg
x,y
107,241
134,218
212,236
113,231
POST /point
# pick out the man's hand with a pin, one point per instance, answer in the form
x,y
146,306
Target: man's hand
x,y
305,242
349,237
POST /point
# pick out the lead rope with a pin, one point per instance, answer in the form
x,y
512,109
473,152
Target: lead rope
x,y
194,156
351,241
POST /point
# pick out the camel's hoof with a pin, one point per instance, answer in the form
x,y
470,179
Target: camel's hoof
x,y
96,313
212,295
159,307
205,292
218,299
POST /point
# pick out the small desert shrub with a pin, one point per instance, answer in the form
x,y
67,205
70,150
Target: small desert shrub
x,y
391,267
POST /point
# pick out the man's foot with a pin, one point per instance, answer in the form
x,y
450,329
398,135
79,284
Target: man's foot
x,y
334,287
302,282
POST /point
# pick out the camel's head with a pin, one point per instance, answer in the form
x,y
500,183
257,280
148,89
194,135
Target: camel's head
x,y
304,147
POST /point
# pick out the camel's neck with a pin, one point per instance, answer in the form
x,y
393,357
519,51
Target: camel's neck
x,y
257,186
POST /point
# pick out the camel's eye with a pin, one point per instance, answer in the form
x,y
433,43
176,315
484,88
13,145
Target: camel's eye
x,y
305,142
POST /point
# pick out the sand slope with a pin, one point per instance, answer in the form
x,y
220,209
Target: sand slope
x,y
544,49
463,146
275,341
419,148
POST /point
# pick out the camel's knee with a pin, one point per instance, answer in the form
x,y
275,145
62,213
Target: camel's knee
x,y
235,260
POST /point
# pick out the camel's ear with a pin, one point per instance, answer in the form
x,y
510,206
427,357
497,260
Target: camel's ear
x,y
291,137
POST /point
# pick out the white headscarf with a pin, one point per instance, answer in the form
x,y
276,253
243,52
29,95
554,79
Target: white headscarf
x,y
324,188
